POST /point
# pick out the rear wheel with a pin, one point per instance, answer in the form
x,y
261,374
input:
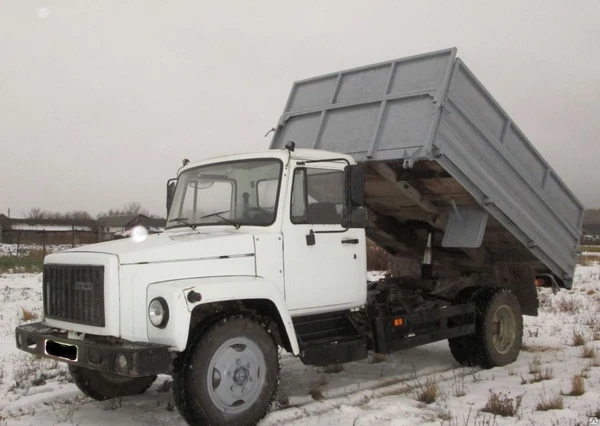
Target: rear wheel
x,y
228,375
102,386
465,349
499,329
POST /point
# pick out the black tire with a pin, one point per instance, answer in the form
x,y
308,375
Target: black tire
x,y
102,386
212,352
499,328
465,349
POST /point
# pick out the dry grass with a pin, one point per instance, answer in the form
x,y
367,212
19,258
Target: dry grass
x,y
590,292
545,374
316,388
589,352
429,392
459,384
535,365
316,394
592,413
568,304
578,339
283,400
27,315
550,403
577,386
502,404
585,371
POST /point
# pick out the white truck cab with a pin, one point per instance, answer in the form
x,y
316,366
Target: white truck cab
x,y
274,233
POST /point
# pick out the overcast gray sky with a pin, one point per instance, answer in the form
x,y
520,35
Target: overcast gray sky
x,y
100,100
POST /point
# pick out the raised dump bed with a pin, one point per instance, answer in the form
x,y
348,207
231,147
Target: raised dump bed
x,y
440,154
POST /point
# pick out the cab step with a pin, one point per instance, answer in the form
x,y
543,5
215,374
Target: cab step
x,y
330,338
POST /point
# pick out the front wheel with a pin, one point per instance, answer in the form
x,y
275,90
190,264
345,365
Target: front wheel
x,y
102,386
228,375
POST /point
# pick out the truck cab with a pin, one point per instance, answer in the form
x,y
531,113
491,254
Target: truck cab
x,y
292,205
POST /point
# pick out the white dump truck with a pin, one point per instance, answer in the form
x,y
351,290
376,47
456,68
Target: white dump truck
x,y
268,250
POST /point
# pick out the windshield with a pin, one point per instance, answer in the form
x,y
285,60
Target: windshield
x,y
236,193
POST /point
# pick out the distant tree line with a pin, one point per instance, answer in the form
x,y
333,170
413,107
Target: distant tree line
x,y
128,208
591,216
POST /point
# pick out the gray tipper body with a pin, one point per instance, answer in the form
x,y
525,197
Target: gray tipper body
x,y
431,107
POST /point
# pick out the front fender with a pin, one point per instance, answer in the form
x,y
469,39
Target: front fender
x,y
214,289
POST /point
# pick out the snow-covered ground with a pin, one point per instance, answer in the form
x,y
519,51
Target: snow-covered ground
x,y
381,390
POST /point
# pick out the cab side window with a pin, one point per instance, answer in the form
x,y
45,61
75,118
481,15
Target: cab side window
x,y
317,196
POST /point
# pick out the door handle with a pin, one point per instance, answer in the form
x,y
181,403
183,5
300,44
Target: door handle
x,y
350,241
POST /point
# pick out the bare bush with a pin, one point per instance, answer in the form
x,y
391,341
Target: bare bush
x,y
578,339
596,413
550,403
535,364
577,386
429,392
459,384
283,400
316,388
27,315
568,304
588,352
502,404
545,374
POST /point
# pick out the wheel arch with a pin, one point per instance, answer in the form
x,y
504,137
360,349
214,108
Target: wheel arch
x,y
263,310
218,297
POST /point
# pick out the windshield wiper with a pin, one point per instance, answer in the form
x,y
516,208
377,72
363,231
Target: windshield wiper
x,y
218,214
185,221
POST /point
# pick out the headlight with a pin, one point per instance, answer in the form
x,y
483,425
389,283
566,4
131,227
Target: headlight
x,y
158,312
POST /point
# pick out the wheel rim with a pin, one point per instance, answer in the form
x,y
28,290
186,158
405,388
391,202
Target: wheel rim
x,y
236,375
504,329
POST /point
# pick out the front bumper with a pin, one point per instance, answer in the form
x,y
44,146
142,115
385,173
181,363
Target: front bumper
x,y
143,359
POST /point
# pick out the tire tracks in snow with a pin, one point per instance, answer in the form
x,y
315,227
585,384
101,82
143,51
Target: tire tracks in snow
x,y
395,385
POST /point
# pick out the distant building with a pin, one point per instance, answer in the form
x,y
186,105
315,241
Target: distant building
x,y
113,227
47,231
591,234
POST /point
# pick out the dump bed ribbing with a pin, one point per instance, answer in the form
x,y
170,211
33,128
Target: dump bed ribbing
x,y
434,140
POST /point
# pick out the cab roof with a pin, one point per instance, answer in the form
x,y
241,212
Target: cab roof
x,y
283,154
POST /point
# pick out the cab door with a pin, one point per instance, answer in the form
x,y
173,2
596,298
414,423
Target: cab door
x,y
324,263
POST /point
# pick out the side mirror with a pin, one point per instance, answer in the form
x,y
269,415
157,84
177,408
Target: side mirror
x,y
170,193
358,218
355,215
354,188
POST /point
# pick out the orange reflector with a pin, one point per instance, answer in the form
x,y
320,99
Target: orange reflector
x,y
398,322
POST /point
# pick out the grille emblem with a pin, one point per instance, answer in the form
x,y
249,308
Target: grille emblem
x,y
83,286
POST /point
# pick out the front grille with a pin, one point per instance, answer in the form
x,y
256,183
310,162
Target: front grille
x,y
74,293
